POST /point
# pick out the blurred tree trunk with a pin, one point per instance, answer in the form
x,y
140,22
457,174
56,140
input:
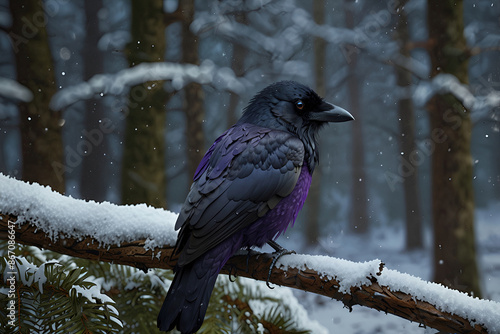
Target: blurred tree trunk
x,y
143,169
496,163
413,217
238,66
314,197
94,175
41,133
3,154
452,192
193,93
358,220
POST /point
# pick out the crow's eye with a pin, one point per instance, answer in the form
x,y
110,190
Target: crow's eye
x,y
299,104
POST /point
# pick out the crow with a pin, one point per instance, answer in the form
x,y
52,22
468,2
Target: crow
x,y
246,191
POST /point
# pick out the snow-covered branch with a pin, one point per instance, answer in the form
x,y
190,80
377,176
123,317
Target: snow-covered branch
x,y
480,105
143,237
14,90
180,75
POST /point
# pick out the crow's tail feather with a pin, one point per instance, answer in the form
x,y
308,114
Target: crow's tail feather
x,y
187,299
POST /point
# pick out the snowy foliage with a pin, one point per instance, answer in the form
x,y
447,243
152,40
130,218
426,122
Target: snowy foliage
x,y
50,294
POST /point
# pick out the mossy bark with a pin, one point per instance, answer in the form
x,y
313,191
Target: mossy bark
x,y
452,169
143,166
193,93
406,114
94,179
313,203
358,216
41,133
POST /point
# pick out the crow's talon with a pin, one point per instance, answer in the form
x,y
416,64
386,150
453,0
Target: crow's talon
x,y
231,274
279,252
249,253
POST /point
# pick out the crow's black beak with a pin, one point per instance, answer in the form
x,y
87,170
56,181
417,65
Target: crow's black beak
x,y
328,112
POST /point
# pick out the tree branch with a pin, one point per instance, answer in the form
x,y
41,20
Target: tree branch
x,y
255,265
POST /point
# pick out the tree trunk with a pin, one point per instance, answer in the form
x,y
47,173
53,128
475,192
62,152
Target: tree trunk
x,y
193,94
413,216
143,174
95,166
313,203
452,192
358,220
41,133
238,66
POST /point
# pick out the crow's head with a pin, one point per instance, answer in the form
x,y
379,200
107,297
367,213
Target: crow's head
x,y
292,107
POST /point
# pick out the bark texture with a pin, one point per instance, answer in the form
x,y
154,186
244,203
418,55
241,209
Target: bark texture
x,y
359,219
413,214
41,132
452,191
313,202
143,166
94,180
193,93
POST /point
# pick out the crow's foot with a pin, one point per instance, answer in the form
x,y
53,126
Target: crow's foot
x,y
279,252
231,275
248,252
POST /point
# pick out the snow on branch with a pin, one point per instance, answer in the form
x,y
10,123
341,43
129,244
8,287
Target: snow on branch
x,y
14,90
106,224
180,74
143,237
445,83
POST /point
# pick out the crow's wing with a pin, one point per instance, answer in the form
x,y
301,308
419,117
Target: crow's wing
x,y
245,173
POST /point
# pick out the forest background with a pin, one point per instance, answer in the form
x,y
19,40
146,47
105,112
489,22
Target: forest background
x,y
118,101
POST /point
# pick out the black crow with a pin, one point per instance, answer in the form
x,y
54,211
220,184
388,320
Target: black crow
x,y
248,188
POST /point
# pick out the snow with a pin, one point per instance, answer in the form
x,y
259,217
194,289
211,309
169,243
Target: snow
x,y
281,43
136,279
31,273
180,74
347,273
92,293
115,40
483,312
107,223
354,274
334,35
14,90
388,244
112,224
447,83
